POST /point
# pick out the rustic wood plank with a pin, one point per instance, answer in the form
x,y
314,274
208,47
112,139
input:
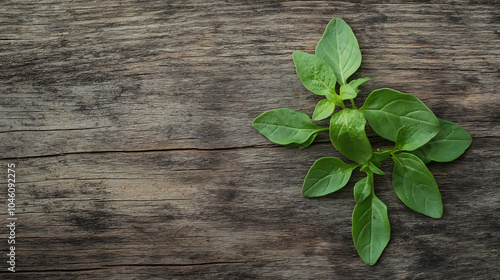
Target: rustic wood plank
x,y
233,211
130,126
227,209
182,76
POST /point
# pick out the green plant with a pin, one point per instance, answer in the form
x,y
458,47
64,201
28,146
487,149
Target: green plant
x,y
419,138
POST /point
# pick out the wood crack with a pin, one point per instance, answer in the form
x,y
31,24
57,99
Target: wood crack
x,y
111,266
257,146
55,129
263,146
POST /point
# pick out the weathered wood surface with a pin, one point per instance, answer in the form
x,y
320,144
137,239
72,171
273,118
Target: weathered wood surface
x,y
130,126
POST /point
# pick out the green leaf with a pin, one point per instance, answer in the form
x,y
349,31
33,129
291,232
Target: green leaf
x,y
340,49
388,110
323,110
348,92
377,157
347,133
373,168
284,126
363,188
327,175
316,75
371,230
303,145
404,139
450,143
421,156
351,90
356,83
415,185
308,142
336,100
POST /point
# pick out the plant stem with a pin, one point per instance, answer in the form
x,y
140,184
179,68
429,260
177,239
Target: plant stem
x,y
353,105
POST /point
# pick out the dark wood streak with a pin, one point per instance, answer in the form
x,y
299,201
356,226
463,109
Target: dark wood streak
x,y
130,126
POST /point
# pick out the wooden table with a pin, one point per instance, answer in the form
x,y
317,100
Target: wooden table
x,y
129,123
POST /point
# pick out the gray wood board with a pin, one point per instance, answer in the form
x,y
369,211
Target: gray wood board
x,y
130,126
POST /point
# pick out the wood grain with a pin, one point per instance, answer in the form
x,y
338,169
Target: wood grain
x,y
130,126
